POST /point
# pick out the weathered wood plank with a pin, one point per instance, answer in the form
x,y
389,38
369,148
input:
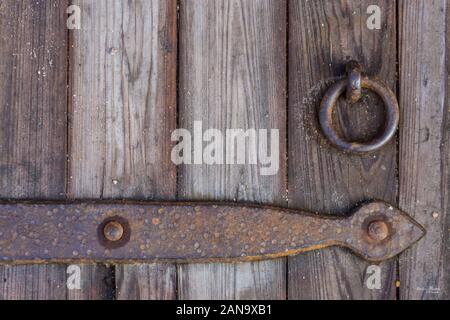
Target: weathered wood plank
x,y
146,282
324,35
424,145
232,75
123,112
33,103
33,282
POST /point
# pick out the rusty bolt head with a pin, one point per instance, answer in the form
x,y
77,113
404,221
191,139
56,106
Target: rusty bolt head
x,y
113,231
378,230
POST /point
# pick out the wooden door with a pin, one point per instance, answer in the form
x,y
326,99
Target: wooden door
x,y
88,114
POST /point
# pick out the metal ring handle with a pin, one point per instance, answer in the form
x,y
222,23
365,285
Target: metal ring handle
x,y
329,102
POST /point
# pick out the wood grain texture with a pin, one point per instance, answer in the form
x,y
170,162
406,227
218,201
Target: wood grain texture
x,y
33,104
232,75
123,112
33,282
146,282
323,36
424,145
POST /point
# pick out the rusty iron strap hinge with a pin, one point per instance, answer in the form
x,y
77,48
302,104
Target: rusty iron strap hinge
x,y
125,232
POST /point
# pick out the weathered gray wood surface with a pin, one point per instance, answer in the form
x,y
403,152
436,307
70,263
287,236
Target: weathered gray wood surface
x,y
236,70
232,75
424,145
33,102
122,113
323,36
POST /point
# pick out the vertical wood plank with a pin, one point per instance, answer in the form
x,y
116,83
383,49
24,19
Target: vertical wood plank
x,y
146,282
232,75
323,36
424,145
33,103
123,112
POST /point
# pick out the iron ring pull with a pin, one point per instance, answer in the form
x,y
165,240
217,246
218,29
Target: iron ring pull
x,y
352,85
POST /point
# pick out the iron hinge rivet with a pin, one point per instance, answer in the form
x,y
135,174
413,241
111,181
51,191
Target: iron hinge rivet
x,y
378,230
113,231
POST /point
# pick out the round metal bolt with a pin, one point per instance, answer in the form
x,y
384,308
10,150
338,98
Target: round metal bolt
x,y
378,230
113,231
